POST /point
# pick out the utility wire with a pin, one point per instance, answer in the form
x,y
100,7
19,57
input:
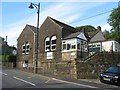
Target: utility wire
x,y
100,13
94,16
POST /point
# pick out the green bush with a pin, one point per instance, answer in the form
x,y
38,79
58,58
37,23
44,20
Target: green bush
x,y
12,58
7,58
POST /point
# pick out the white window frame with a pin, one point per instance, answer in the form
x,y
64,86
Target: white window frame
x,y
53,38
47,39
64,43
27,44
23,49
67,43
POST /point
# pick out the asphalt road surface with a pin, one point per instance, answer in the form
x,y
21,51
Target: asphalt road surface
x,y
14,78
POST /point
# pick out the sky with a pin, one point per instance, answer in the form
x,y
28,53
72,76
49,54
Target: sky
x,y
15,15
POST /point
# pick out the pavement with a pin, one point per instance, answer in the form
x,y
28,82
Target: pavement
x,y
91,80
68,78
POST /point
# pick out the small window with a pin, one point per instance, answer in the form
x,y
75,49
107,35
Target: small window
x,y
68,46
89,46
47,42
28,46
26,61
64,46
47,48
98,45
23,47
53,41
78,45
94,46
63,42
73,46
53,47
23,52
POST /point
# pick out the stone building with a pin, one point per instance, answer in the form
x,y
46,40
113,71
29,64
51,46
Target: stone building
x,y
60,47
25,47
56,39
58,42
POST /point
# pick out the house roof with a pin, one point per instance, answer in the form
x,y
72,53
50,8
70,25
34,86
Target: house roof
x,y
63,25
30,27
33,28
91,34
73,35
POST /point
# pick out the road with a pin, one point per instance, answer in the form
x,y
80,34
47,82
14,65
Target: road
x,y
14,78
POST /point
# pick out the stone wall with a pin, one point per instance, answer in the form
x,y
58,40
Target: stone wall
x,y
71,55
68,55
8,64
61,68
91,68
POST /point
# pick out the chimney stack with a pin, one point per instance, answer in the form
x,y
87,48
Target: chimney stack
x,y
99,28
6,40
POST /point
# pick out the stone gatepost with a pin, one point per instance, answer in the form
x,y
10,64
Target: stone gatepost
x,y
73,69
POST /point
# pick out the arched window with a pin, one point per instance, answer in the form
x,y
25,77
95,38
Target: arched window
x,y
53,43
26,48
23,49
47,44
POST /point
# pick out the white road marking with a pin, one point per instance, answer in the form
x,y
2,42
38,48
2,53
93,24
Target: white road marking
x,y
74,83
49,80
25,81
3,73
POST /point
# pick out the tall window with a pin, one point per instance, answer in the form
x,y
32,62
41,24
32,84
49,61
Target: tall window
x,y
64,47
23,49
53,43
26,48
47,44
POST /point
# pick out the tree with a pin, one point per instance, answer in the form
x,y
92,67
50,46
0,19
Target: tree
x,y
107,34
114,21
86,28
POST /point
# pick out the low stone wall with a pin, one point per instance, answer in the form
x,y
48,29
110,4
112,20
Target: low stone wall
x,y
71,55
89,68
61,68
95,65
8,64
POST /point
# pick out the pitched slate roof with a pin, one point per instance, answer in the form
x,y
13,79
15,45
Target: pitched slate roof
x,y
73,35
33,28
91,34
63,25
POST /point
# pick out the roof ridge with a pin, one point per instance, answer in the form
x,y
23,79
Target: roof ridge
x,y
32,28
30,25
59,22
